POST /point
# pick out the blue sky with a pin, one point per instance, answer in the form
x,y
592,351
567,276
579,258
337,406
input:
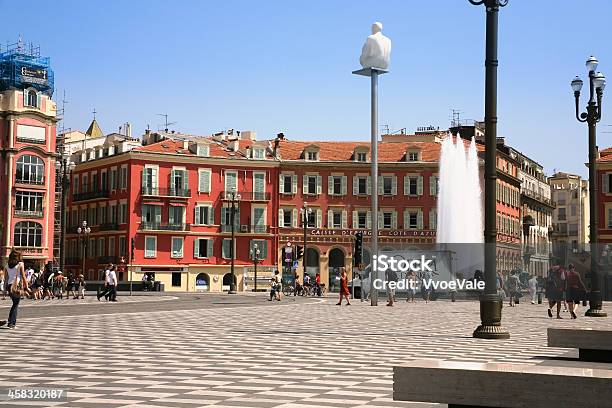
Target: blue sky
x,y
286,66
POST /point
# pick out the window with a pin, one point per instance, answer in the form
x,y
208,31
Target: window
x,y
123,247
204,181
287,218
123,177
93,216
101,247
287,184
433,219
362,219
29,203
92,247
75,184
84,181
610,217
176,215
32,98
177,247
226,216
113,179
310,185
30,170
312,156
387,185
150,247
122,213
413,185
203,214
561,198
336,185
149,180
202,151
202,248
103,211
361,157
28,234
112,213
387,220
259,186
111,246
413,219
176,279
151,214
361,185
227,249
434,185
561,215
103,181
231,181
311,219
262,247
334,219
259,153
573,229
178,182
573,210
94,182
413,156
259,219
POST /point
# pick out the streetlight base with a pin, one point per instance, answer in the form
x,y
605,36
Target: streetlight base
x,y
490,317
592,312
231,292
595,305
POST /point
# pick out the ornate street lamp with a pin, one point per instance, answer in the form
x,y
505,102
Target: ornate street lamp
x,y
305,211
64,167
84,232
597,83
255,252
490,302
234,200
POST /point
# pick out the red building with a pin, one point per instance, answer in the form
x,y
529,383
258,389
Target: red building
x,y
604,181
172,199
27,142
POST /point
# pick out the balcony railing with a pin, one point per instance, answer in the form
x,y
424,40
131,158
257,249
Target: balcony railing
x,y
109,226
259,229
165,192
228,228
38,182
90,195
29,213
163,226
538,197
107,259
29,250
245,229
247,195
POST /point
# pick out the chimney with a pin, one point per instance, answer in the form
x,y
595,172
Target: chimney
x,y
185,144
249,135
128,130
234,145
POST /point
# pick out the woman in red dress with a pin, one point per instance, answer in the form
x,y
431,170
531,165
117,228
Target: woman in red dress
x,y
344,291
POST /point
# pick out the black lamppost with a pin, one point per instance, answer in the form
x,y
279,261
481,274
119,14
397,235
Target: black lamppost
x,y
305,211
234,199
255,252
65,167
490,302
84,232
597,83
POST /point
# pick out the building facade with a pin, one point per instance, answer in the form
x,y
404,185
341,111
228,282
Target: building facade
x,y
604,176
27,142
171,201
536,208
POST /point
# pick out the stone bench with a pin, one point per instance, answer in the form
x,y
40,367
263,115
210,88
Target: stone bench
x,y
503,385
593,345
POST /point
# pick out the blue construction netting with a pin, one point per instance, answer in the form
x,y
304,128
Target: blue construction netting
x,y
20,69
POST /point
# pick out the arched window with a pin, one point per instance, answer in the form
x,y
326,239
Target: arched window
x,y
32,98
30,170
28,234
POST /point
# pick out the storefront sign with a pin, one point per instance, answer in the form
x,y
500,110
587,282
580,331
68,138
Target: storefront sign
x,y
367,233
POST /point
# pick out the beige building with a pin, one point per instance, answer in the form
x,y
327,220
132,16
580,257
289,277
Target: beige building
x,y
571,217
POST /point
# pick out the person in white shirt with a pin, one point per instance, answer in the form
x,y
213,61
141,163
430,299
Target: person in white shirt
x,y
106,290
112,284
533,288
15,277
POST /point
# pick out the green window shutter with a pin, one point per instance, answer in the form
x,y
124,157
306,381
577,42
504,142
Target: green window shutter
x,y
211,215
355,185
209,248
344,185
196,217
330,185
224,216
196,247
281,183
281,217
264,251
420,185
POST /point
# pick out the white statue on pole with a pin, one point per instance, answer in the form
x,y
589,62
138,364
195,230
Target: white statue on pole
x,y
376,51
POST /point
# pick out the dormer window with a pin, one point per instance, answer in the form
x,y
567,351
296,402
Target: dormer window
x,y
202,150
362,157
413,155
258,153
312,156
360,154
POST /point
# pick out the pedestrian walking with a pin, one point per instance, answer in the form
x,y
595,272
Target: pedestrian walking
x,y
112,284
391,278
500,286
412,286
427,286
555,287
344,290
576,290
16,284
81,286
71,289
513,284
276,287
105,289
533,288
47,281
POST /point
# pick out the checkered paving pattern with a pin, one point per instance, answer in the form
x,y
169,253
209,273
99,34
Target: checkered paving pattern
x,y
90,298
290,355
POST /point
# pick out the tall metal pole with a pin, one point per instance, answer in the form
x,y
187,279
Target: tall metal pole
x,y
65,185
305,225
490,301
255,267
374,177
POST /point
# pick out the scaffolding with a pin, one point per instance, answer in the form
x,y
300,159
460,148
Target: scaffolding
x,y
21,66
58,233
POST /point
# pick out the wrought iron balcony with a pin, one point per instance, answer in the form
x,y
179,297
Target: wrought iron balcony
x,y
538,197
163,226
90,195
29,213
246,229
109,226
165,192
247,195
38,182
259,229
228,228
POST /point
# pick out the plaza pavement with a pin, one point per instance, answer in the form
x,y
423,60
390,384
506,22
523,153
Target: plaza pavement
x,y
303,354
